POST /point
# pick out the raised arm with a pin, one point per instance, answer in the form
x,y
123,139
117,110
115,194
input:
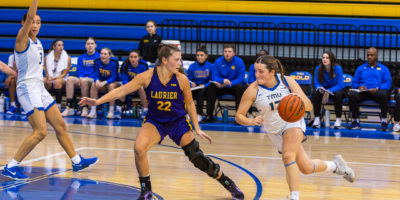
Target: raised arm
x,y
21,42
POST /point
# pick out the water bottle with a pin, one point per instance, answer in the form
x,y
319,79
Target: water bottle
x,y
134,109
327,120
225,114
2,99
7,104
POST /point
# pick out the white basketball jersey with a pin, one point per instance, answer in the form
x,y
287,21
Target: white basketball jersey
x,y
30,62
267,101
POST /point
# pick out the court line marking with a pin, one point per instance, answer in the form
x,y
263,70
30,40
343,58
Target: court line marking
x,y
238,156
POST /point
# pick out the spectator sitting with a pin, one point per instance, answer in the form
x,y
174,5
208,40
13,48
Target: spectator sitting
x,y
57,64
199,74
252,72
129,69
328,81
396,88
227,76
84,78
105,79
11,84
373,82
148,45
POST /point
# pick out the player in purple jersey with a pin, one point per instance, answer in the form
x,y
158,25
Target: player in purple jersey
x,y
168,91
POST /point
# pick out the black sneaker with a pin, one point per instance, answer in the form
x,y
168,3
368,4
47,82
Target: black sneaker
x,y
145,194
236,193
384,126
355,125
207,119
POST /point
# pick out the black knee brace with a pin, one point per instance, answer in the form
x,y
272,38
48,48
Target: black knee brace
x,y
199,160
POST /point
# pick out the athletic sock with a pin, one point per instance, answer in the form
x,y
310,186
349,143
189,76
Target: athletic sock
x,y
330,166
225,181
145,183
294,195
13,163
76,159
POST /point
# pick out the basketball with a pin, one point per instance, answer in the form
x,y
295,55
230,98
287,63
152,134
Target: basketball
x,y
291,108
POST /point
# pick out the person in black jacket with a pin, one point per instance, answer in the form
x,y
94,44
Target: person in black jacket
x,y
149,44
396,88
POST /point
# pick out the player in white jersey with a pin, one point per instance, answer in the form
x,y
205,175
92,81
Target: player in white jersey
x,y
271,86
35,99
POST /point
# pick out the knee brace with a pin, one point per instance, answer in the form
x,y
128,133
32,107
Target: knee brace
x,y
199,160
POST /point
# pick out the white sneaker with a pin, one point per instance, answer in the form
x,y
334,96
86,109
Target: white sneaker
x,y
68,112
343,169
316,123
110,114
396,127
338,124
92,114
85,111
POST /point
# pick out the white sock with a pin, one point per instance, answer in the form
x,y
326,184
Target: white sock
x,y
384,120
339,120
93,109
357,120
13,163
317,120
76,159
330,166
119,108
13,104
294,195
145,110
111,109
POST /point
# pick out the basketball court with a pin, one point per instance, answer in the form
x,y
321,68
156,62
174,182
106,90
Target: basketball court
x,y
244,153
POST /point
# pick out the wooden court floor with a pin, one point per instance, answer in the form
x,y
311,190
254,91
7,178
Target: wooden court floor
x,y
248,158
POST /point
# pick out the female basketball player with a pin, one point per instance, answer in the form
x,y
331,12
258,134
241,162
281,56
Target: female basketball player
x,y
271,86
35,99
167,91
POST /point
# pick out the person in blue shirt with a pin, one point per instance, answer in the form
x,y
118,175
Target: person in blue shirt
x,y
328,81
252,72
199,74
227,77
105,79
373,81
129,69
83,79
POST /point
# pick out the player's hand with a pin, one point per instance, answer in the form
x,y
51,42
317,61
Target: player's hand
x,y
204,135
257,121
219,85
87,101
321,90
325,98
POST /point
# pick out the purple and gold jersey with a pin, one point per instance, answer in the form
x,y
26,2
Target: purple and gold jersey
x,y
166,102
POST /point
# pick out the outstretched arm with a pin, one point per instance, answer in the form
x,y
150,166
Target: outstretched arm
x,y
7,70
245,103
22,39
140,80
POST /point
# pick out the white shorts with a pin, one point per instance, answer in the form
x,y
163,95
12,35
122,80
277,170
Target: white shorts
x,y
32,94
276,138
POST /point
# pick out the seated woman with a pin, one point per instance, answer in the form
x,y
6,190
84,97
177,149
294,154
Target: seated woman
x,y
328,81
129,69
105,79
56,64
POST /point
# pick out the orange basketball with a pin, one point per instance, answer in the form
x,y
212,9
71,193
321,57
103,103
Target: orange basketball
x,y
291,108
